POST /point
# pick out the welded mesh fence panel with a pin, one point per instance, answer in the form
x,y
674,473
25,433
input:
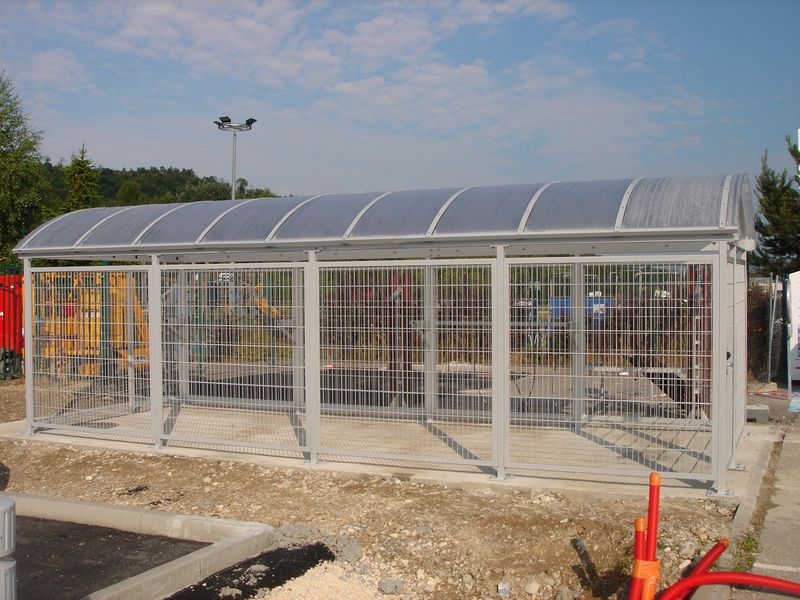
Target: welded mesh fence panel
x,y
90,350
406,361
611,366
233,356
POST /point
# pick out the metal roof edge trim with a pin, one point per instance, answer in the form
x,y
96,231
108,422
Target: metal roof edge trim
x,y
714,233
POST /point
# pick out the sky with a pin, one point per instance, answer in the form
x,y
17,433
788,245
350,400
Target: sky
x,y
370,96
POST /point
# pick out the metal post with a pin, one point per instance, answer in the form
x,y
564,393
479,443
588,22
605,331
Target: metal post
x,y
155,353
182,337
298,341
233,169
312,355
578,346
719,404
430,329
130,333
28,332
772,287
500,361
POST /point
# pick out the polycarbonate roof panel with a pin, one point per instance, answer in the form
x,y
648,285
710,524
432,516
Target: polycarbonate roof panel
x,y
252,221
325,217
407,213
487,209
184,225
578,206
124,227
67,229
682,204
667,203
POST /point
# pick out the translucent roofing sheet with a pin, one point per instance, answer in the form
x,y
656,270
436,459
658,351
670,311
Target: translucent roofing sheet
x,y
681,203
185,224
487,209
252,221
125,226
576,206
596,207
325,217
64,231
403,213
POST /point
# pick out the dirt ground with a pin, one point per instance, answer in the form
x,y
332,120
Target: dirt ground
x,y
418,541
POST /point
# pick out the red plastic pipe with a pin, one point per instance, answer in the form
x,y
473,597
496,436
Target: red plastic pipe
x,y
707,561
729,578
639,528
652,517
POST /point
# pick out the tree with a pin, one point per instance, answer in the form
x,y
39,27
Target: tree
x,y
82,180
22,183
129,194
207,188
778,224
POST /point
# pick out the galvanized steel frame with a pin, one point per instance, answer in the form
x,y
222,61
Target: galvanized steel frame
x,y
726,393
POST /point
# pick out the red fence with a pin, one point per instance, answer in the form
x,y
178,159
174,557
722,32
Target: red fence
x,y
11,335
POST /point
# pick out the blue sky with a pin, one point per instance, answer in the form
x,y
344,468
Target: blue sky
x,y
365,95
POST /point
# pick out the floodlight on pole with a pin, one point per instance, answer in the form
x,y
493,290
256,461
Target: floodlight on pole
x,y
225,124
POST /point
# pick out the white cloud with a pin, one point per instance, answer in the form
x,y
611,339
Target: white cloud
x,y
58,70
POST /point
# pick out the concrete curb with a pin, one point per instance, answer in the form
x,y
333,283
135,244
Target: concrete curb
x,y
744,513
232,542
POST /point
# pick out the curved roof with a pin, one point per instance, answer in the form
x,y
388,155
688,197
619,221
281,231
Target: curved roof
x,y
678,205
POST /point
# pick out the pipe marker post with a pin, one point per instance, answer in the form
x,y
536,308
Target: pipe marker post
x,y
639,529
652,575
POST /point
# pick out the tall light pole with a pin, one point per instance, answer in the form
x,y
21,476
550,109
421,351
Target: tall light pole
x,y
225,124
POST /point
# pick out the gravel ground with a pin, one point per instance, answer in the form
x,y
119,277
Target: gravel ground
x,y
414,540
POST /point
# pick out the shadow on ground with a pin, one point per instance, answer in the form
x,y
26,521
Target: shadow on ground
x,y
601,586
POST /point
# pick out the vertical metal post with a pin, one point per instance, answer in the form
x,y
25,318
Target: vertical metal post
x,y
298,341
312,355
578,345
500,361
155,353
130,332
430,328
182,337
28,332
719,405
772,287
233,169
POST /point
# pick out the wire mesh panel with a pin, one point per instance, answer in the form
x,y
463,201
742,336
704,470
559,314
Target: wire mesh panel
x,y
406,361
90,353
232,340
610,366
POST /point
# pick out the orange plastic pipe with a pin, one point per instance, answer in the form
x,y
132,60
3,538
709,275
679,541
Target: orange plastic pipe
x,y
678,589
649,586
639,528
652,517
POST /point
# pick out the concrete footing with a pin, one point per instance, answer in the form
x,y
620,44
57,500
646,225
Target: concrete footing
x,y
231,542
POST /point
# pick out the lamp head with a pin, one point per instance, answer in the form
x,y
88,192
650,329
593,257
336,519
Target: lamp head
x,y
225,119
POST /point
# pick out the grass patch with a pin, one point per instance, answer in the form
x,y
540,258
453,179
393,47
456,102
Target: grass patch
x,y
744,553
